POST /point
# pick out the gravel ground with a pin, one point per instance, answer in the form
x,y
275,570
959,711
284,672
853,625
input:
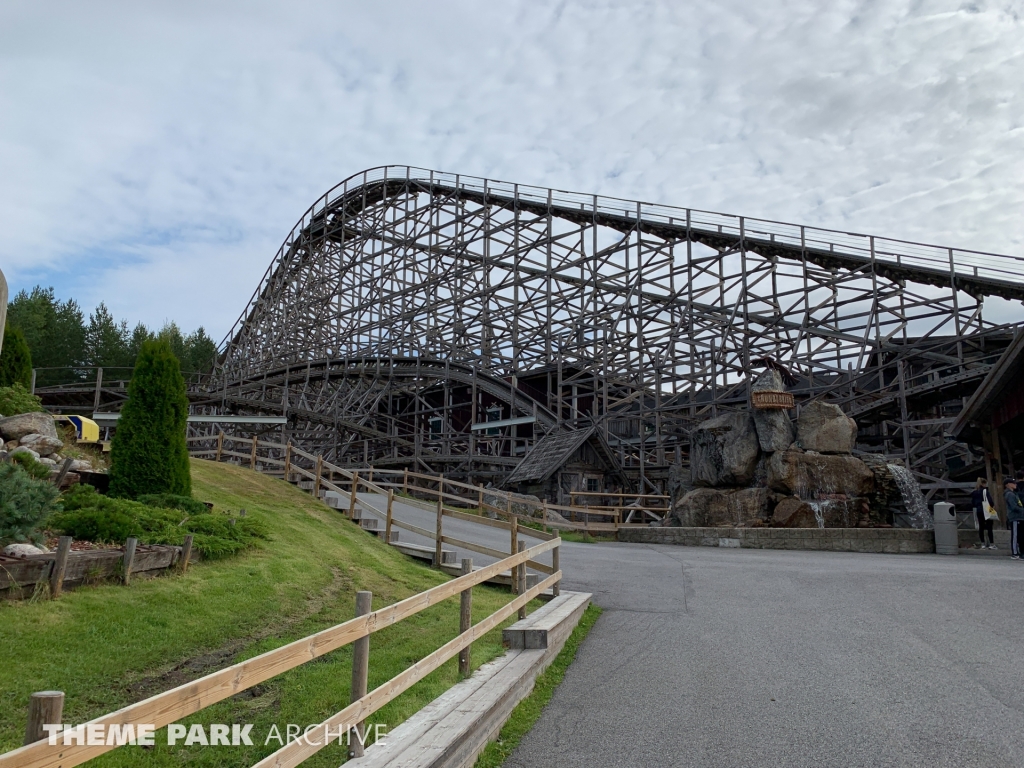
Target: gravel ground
x,y
737,657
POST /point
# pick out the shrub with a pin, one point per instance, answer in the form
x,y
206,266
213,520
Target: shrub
x,y
91,516
16,399
172,501
25,504
34,468
148,453
15,360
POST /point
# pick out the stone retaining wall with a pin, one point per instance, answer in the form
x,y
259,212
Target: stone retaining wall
x,y
878,540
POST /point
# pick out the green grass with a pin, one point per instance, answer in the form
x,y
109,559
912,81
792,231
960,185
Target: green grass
x,y
529,709
108,646
584,538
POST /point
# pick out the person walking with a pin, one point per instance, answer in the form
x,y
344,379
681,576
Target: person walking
x,y
1014,516
982,502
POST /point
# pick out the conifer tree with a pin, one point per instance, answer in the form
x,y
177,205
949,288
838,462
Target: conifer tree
x,y
15,359
149,453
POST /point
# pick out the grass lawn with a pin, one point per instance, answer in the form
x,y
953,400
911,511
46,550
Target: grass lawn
x,y
108,646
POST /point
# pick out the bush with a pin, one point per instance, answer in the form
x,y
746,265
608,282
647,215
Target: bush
x,y
172,501
91,516
16,399
148,453
25,504
15,360
34,468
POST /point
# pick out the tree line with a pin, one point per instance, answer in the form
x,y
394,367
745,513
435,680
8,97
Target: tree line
x,y
58,337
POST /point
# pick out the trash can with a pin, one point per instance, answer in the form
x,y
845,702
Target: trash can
x,y
947,541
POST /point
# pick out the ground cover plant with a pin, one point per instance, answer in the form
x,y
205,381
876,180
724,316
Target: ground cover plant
x,y
26,501
155,519
16,399
110,645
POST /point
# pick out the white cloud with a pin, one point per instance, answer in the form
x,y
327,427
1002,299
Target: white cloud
x,y
155,155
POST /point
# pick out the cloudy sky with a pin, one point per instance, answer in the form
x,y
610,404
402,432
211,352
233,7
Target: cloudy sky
x,y
154,155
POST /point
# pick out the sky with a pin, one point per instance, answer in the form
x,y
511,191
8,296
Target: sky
x,y
155,155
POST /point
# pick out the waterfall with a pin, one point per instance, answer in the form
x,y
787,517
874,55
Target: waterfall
x,y
917,510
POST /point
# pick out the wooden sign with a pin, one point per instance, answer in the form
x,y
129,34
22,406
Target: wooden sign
x,y
767,400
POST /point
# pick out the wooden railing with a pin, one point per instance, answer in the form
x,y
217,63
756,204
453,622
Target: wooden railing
x,y
291,461
187,699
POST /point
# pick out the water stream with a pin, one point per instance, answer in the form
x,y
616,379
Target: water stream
x,y
917,511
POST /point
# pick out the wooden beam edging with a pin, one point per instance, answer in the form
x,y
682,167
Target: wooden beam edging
x,y
189,698
300,750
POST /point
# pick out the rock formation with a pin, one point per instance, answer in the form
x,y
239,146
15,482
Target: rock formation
x,y
723,451
774,427
759,469
824,428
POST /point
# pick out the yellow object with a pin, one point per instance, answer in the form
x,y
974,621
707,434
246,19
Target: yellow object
x,y
86,430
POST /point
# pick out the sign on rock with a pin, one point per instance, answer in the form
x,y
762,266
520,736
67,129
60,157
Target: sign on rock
x,y
768,400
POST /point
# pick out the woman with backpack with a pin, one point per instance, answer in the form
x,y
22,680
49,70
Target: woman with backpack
x,y
982,502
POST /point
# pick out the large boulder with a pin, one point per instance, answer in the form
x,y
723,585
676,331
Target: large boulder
x,y
723,451
44,445
817,476
716,507
24,550
16,427
792,512
24,449
824,428
773,425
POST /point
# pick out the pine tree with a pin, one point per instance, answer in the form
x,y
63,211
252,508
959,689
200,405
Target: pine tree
x,y
200,352
55,332
15,359
107,340
149,453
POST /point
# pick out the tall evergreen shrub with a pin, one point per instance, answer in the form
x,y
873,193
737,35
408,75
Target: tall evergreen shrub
x,y
148,453
15,359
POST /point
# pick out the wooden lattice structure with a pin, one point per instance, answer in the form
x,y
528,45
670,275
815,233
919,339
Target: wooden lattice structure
x,y
448,323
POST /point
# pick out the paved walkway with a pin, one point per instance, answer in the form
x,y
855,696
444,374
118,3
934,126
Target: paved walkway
x,y
735,657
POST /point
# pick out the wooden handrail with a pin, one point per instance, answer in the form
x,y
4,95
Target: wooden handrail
x,y
189,698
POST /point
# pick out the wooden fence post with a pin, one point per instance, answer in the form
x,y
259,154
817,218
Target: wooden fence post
x,y
387,524
252,456
405,481
514,531
556,590
220,445
352,496
437,543
316,478
465,618
480,498
288,461
544,517
522,579
129,558
60,565
360,673
186,553
44,708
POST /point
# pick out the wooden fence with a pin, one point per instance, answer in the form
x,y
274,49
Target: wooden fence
x,y
187,699
289,461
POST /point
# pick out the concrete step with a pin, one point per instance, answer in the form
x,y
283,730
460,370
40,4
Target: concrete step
x,y
370,523
454,728
540,629
380,534
421,552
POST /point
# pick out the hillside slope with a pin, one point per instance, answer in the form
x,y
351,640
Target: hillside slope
x,y
107,646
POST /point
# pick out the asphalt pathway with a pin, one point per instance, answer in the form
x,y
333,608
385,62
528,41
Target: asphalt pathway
x,y
425,516
738,657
